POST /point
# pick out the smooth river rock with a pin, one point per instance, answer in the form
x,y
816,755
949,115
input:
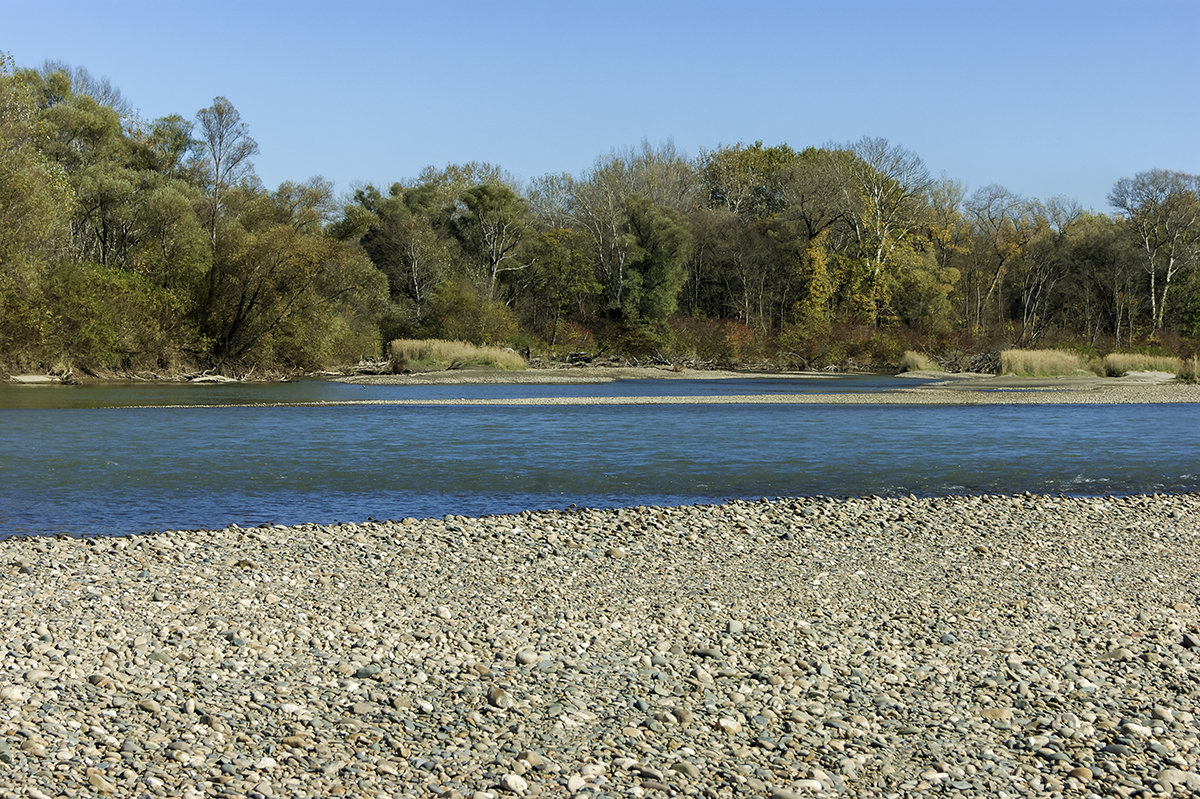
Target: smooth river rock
x,y
1012,646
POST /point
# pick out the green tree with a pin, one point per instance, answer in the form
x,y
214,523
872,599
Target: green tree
x,y
82,82
458,312
276,275
747,179
659,241
35,195
561,277
35,203
490,227
885,186
164,146
405,246
1102,292
597,203
815,311
88,142
922,288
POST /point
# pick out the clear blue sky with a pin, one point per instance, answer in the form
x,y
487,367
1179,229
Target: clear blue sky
x,y
1045,97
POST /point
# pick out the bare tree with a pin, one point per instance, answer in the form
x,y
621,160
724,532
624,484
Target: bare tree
x,y
1162,210
99,89
227,148
1045,264
1004,223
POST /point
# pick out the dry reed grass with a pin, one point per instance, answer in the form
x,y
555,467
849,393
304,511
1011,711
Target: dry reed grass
x,y
431,355
914,361
1121,363
1041,363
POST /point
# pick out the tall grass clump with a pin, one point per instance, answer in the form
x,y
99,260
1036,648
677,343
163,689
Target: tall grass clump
x,y
1189,370
914,361
1041,363
433,355
1121,363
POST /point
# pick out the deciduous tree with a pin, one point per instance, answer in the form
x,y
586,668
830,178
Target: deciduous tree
x,y
885,186
659,241
225,152
490,227
35,204
1162,211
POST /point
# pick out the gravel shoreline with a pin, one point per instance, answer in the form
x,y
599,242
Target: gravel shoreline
x,y
1002,646
945,389
924,395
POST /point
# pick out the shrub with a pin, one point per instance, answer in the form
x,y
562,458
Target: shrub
x,y
431,355
574,337
97,317
1041,363
725,341
1120,363
458,312
882,347
1189,370
913,361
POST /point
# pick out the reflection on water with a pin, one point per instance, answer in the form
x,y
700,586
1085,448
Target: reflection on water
x,y
82,469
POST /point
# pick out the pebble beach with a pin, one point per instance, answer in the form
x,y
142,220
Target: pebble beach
x,y
1006,646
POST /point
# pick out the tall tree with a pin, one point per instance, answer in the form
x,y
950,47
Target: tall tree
x,y
560,279
659,243
280,281
886,186
813,191
1004,223
35,201
490,227
34,191
81,81
1162,211
746,179
1102,295
226,149
1044,265
87,140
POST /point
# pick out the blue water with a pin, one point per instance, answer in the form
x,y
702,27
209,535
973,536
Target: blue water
x,y
87,461
157,394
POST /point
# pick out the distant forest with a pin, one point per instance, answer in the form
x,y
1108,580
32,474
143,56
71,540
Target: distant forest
x,y
150,245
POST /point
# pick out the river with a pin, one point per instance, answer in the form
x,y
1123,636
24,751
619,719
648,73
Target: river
x,y
113,460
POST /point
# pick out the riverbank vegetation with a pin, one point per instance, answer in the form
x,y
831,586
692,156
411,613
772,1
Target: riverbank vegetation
x,y
431,355
1117,364
918,362
130,244
1042,363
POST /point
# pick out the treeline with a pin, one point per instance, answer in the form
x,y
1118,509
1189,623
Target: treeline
x,y
132,245
129,245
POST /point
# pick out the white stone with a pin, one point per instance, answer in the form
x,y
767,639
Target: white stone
x,y
514,783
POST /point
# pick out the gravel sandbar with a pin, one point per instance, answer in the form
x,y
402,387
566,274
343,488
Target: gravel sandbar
x,y
944,388
999,646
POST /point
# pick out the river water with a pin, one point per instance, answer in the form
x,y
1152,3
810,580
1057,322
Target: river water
x,y
111,460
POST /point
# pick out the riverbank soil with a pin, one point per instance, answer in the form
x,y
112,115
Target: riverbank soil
x,y
1019,646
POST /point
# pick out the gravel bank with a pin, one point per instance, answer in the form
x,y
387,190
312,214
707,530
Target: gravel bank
x,y
925,395
1002,646
946,389
1104,394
